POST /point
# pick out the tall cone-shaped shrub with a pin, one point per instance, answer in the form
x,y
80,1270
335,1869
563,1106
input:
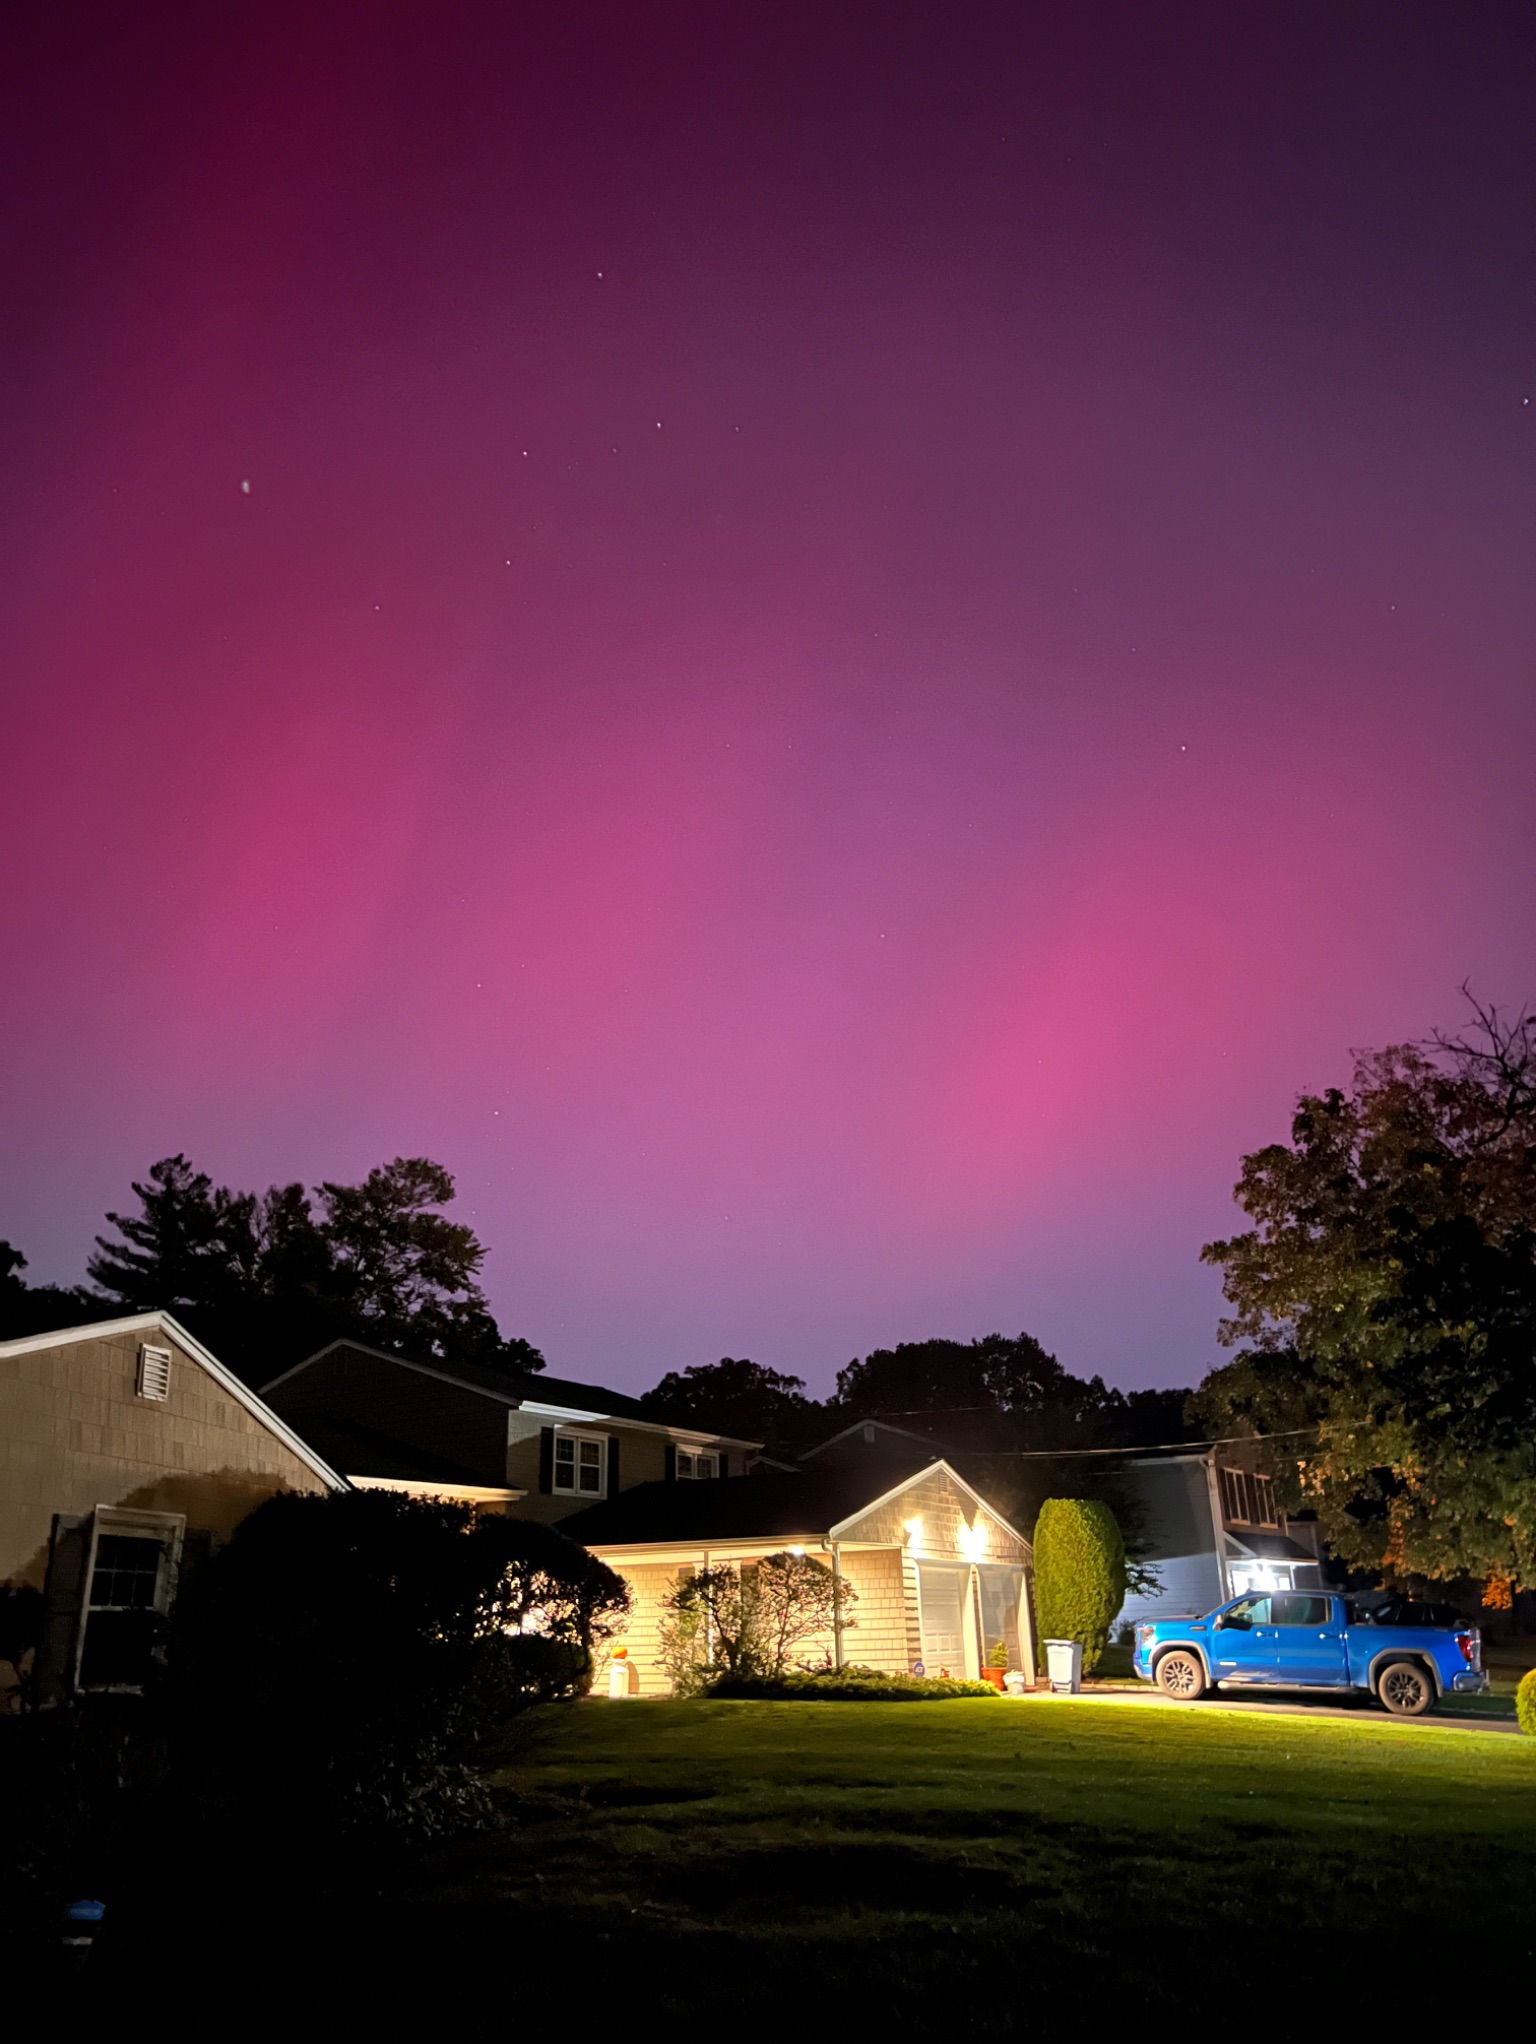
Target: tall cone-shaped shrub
x,y
1079,1572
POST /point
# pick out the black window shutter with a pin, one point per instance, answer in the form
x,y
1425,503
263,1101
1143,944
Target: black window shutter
x,y
613,1465
546,1459
723,1464
671,1465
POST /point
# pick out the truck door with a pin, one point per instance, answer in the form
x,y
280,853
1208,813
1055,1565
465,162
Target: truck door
x,y
1309,1642
1243,1644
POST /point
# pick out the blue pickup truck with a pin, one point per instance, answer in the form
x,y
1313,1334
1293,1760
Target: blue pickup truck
x,y
1405,1655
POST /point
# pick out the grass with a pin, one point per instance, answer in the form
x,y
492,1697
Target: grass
x,y
762,1867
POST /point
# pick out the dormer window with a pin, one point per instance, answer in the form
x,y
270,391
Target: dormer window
x,y
694,1463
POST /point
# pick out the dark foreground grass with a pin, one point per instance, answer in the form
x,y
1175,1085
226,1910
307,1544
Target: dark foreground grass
x,y
766,1868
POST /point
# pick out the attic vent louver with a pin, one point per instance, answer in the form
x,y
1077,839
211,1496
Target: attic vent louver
x,y
154,1373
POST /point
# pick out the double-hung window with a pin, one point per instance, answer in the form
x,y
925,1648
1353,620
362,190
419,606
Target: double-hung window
x,y
579,1465
129,1585
693,1462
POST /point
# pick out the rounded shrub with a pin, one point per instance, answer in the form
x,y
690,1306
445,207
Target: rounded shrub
x,y
1079,1573
350,1654
1525,1702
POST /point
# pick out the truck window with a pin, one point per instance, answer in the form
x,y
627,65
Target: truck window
x,y
1248,1612
1295,1610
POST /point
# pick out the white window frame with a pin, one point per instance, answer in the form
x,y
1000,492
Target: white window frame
x,y
168,1528
575,1489
695,1458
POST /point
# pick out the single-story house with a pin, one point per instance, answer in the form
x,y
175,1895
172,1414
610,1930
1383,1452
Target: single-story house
x,y
1213,1531
939,1576
542,1446
126,1448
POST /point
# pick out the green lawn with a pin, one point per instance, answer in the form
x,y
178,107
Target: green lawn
x,y
1014,1855
762,1868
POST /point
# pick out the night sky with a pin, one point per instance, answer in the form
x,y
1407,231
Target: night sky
x,y
829,648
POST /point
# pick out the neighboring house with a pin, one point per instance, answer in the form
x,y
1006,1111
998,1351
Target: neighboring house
x,y
872,1444
544,1445
939,1574
1213,1530
126,1449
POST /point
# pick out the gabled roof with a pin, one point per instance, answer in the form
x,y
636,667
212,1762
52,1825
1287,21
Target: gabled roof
x,y
166,1325
815,1506
891,1438
527,1390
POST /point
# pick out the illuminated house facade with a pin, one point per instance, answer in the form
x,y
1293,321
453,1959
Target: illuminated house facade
x,y
939,1576
1214,1531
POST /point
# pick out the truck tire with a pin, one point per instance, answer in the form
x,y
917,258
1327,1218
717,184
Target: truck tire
x,y
1181,1675
1405,1689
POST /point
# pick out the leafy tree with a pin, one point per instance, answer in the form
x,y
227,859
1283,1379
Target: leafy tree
x,y
738,1397
406,1271
34,1309
267,1278
1386,1296
1080,1578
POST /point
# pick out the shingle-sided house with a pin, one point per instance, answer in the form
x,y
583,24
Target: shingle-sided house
x,y
541,1446
1213,1530
126,1448
939,1575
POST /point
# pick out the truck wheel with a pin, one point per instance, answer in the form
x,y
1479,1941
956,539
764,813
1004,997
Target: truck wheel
x,y
1405,1689
1181,1675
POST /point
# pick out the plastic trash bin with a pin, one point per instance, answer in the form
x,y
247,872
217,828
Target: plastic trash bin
x,y
623,1677
1064,1663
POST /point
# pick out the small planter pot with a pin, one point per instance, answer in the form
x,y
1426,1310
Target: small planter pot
x,y
994,1676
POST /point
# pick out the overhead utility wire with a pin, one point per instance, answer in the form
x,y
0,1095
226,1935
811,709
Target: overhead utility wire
x,y
1143,1448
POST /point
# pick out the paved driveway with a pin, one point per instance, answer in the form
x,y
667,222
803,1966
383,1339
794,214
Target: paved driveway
x,y
1299,1706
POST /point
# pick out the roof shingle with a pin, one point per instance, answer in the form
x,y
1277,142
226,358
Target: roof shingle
x,y
735,1508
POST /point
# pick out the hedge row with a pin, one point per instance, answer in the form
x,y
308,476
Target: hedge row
x,y
850,1685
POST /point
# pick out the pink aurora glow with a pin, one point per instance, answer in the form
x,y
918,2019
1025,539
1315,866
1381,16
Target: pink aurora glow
x,y
862,856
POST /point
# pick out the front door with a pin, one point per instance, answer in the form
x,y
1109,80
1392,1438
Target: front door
x,y
1002,1588
1243,1644
941,1605
1309,1641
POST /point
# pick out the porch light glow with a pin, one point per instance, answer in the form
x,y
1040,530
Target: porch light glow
x,y
973,1540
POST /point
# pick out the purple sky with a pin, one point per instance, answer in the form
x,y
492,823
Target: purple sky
x,y
860,635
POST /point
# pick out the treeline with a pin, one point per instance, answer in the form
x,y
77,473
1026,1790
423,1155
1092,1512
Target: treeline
x,y
265,1279
996,1394
1383,1316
